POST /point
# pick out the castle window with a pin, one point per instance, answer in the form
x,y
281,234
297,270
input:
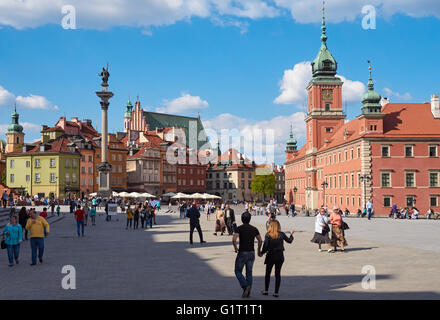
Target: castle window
x,y
328,130
409,151
327,107
433,151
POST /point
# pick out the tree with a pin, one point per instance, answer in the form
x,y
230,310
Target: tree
x,y
264,184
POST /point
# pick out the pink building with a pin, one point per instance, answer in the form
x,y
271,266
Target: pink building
x,y
388,154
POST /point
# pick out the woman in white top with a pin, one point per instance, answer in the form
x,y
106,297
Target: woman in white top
x,y
321,231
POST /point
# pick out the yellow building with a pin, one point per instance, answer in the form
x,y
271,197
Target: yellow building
x,y
47,169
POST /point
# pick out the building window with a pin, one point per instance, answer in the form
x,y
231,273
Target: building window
x,y
73,177
28,178
433,201
433,151
73,163
386,179
90,169
358,152
28,164
37,177
352,180
37,163
113,157
52,163
52,177
409,151
410,179
12,178
387,201
67,163
67,178
90,158
351,154
327,107
385,151
12,164
83,170
433,179
410,201
328,130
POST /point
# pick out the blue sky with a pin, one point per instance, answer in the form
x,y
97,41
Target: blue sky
x,y
227,67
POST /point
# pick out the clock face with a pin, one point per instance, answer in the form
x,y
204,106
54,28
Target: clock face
x,y
327,94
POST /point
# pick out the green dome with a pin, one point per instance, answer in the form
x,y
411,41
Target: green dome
x,y
128,110
15,127
291,142
324,63
371,99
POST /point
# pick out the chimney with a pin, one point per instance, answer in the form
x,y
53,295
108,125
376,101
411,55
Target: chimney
x,y
435,109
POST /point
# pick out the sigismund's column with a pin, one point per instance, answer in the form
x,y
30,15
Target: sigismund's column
x,y
104,167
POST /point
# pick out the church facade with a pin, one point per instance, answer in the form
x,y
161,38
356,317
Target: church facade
x,y
389,154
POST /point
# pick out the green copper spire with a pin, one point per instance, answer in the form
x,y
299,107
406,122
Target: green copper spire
x,y
291,142
15,127
324,65
129,109
371,99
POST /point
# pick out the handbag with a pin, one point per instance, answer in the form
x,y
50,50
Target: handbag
x,y
345,226
325,229
3,244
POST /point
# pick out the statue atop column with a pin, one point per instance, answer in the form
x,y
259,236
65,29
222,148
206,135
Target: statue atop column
x,y
104,75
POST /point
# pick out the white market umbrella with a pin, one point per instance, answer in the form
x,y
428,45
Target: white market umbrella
x,y
94,194
180,196
169,194
147,195
114,194
123,194
134,195
196,196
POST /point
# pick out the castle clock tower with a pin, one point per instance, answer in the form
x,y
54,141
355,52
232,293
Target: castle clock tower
x,y
325,114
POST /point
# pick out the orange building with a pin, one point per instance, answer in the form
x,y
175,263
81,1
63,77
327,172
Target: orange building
x,y
388,154
117,157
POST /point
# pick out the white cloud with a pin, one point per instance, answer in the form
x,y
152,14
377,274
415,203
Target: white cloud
x,y
389,93
293,84
103,14
249,131
6,98
184,104
35,102
295,80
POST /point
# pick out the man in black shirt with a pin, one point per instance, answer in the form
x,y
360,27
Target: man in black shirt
x,y
194,222
229,218
246,253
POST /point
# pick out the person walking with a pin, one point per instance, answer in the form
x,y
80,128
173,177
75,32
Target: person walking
x,y
219,221
149,216
194,222
13,236
86,213
338,237
93,215
246,235
369,209
79,216
136,218
4,198
321,231
229,218
143,215
274,247
43,214
23,216
58,210
52,207
129,217
39,228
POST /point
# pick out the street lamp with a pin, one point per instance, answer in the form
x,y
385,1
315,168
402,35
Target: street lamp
x,y
324,185
295,189
365,179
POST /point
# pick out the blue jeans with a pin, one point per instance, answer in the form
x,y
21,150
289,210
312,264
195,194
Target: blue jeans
x,y
37,243
13,252
369,214
149,221
80,223
244,258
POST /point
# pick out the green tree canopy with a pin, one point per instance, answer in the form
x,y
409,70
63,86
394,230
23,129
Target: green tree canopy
x,y
264,184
